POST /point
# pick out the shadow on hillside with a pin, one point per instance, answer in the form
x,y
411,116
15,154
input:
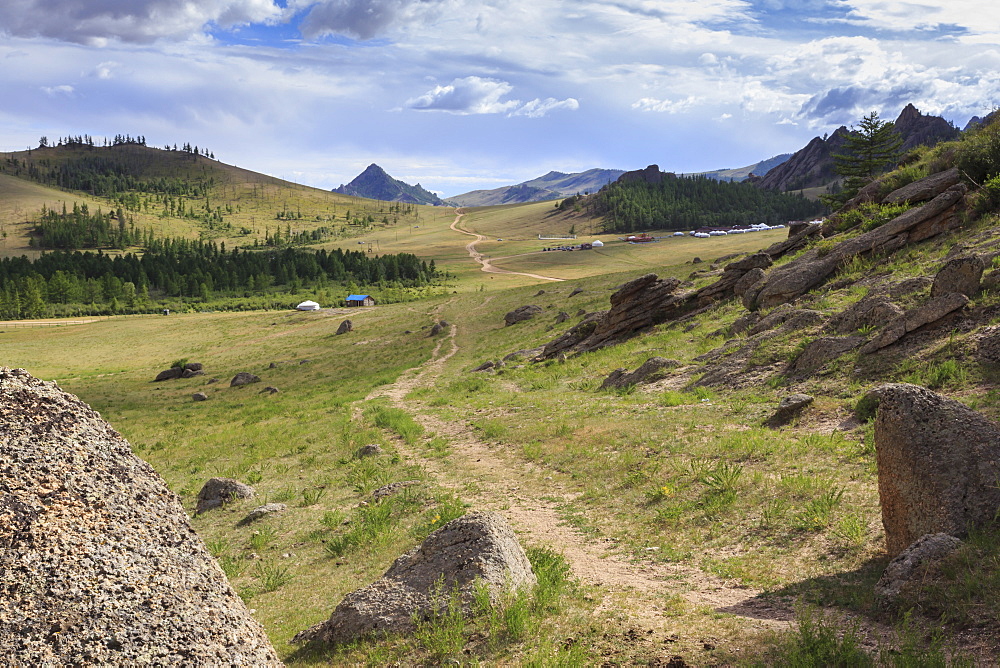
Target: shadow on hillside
x,y
850,590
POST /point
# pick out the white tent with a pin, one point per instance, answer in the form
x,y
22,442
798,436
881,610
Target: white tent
x,y
308,306
597,243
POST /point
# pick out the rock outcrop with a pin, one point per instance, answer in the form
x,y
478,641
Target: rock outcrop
x,y
960,274
521,313
932,311
98,562
652,370
938,465
478,547
812,268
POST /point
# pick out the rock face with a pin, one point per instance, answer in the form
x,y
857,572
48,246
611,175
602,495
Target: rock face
x,y
345,327
925,189
934,310
938,465
822,350
913,561
477,546
243,378
218,492
810,166
521,313
98,562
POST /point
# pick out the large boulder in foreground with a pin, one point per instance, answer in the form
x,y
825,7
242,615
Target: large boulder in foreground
x,y
476,547
98,563
938,465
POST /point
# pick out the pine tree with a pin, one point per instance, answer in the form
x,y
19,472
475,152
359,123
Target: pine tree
x,y
870,149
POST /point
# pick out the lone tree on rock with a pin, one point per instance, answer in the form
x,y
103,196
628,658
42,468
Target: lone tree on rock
x,y
870,149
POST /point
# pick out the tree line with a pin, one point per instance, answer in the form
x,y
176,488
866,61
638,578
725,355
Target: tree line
x,y
194,270
690,202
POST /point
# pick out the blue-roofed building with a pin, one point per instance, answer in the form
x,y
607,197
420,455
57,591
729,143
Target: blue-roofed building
x,y
360,300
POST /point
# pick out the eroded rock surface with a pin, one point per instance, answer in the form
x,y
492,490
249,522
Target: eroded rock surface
x,y
475,547
98,562
938,465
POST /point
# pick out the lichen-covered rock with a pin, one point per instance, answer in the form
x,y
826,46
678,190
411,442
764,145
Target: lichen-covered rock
x,y
912,562
217,492
478,547
822,350
938,464
263,511
934,310
925,189
199,396
345,327
873,311
98,562
789,408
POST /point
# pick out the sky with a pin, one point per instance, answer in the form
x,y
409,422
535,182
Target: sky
x,y
461,95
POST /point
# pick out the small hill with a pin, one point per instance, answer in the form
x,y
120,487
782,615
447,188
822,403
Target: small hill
x,y
550,186
812,165
375,183
742,173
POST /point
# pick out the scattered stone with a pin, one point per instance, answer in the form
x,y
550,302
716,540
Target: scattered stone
x,y
488,364
581,312
562,317
262,511
194,366
529,353
217,492
199,396
789,408
575,292
191,373
938,464
991,281
540,293
99,564
988,347
476,548
521,313
345,327
169,374
961,274
444,324
912,563
272,365
211,380
436,329
392,488
301,362
269,390
370,450
696,260
243,378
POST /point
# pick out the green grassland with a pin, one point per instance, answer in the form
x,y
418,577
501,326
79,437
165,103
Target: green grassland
x,y
742,522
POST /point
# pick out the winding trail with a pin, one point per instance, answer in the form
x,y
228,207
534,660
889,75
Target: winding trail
x,y
530,497
485,261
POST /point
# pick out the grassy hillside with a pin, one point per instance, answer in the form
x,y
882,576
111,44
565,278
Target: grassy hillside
x,y
222,202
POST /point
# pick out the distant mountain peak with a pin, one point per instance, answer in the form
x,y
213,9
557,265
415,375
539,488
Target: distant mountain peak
x,y
375,183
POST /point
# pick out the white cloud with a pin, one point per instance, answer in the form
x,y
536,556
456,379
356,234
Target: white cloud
x,y
666,106
53,91
96,23
977,17
476,95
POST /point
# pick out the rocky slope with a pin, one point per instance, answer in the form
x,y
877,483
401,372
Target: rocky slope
x,y
98,562
550,186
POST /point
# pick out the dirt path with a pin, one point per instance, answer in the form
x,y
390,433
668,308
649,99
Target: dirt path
x,y
485,261
530,497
